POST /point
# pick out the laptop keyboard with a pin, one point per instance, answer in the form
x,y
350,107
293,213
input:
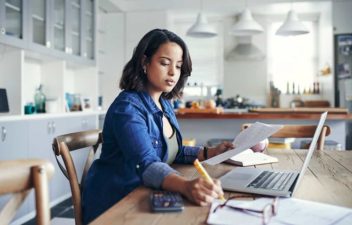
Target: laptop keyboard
x,y
271,180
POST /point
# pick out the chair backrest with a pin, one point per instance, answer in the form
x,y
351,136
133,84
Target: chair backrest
x,y
300,131
62,146
19,177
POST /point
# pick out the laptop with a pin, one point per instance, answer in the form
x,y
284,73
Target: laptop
x,y
270,182
4,105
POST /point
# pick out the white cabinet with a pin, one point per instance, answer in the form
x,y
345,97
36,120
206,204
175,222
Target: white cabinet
x,y
60,28
33,138
13,145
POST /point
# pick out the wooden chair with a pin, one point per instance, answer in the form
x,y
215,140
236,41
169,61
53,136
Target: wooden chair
x,y
63,146
19,177
300,131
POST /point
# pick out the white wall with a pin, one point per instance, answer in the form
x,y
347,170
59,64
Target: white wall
x,y
137,24
248,78
342,16
111,54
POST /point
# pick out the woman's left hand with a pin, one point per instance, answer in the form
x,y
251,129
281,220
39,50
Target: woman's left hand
x,y
223,147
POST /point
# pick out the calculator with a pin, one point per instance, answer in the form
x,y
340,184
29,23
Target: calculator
x,y
166,201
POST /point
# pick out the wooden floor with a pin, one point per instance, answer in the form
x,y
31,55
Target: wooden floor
x,y
328,180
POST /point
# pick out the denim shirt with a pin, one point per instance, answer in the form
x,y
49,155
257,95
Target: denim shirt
x,y
134,152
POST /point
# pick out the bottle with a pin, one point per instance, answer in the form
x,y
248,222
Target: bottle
x,y
288,88
39,99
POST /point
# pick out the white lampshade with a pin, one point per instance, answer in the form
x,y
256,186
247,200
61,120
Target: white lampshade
x,y
292,26
201,28
246,25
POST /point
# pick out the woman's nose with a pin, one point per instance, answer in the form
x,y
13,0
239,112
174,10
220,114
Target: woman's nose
x,y
172,70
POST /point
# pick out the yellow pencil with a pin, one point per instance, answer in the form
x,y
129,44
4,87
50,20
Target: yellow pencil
x,y
204,173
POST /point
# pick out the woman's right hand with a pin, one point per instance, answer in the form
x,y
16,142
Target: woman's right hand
x,y
202,192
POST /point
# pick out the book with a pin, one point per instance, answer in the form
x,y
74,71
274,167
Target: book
x,y
251,158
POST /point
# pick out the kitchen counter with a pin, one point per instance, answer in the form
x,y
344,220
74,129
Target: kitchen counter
x,y
226,125
258,116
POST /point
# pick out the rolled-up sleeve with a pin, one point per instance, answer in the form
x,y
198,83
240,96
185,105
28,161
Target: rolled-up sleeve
x,y
188,154
155,174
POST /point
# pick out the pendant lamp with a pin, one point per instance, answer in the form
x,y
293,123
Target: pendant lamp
x,y
201,28
292,26
246,26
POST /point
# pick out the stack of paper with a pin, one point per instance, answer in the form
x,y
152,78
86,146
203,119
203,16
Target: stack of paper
x,y
245,140
290,211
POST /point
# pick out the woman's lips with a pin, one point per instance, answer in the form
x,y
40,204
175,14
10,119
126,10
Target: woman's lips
x,y
170,82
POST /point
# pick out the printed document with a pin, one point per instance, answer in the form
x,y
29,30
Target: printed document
x,y
290,211
246,139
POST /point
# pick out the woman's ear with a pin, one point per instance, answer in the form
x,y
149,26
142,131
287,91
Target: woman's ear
x,y
144,64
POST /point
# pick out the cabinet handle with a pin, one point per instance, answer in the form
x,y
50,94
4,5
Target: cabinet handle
x,y
49,128
54,127
3,134
84,123
3,30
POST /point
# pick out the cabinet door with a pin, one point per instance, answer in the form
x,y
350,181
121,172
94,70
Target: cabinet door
x,y
88,29
13,145
42,133
39,23
74,25
12,20
13,140
58,25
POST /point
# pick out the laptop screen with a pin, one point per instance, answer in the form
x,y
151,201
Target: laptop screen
x,y
4,105
312,146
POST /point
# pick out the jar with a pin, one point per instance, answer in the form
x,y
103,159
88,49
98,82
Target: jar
x,y
39,99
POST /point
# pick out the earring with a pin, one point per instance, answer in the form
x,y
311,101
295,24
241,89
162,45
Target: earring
x,y
145,70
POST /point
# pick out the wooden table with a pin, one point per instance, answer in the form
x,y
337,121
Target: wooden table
x,y
328,180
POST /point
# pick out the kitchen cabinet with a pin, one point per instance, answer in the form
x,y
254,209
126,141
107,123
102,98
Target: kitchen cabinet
x,y
12,22
50,30
64,29
33,138
13,145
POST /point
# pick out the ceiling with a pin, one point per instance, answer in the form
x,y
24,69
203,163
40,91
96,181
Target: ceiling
x,y
209,6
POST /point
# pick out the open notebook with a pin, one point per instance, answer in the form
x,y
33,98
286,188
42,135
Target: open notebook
x,y
250,158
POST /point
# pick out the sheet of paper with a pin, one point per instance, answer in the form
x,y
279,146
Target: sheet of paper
x,y
290,211
246,139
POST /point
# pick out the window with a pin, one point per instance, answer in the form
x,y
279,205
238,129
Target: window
x,y
293,60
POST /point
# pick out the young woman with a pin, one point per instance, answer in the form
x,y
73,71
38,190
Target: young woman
x,y
141,135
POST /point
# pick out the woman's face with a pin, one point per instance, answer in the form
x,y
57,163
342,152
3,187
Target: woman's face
x,y
164,68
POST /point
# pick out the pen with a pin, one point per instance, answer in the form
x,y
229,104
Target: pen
x,y
204,173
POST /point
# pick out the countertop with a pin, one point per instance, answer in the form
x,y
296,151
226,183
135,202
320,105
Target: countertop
x,y
287,114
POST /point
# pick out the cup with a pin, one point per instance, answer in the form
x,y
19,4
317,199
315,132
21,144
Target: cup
x,y
51,106
29,109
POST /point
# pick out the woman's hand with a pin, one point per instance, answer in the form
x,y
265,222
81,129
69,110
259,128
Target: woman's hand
x,y
261,146
223,147
202,192
199,191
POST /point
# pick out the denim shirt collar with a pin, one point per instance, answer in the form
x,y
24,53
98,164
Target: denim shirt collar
x,y
152,106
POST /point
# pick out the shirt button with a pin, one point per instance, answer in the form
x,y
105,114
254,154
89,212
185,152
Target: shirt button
x,y
137,166
156,142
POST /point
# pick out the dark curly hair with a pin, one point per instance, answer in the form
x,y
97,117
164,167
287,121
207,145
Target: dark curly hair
x,y
133,77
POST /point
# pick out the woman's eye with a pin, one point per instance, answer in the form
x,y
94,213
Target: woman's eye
x,y
164,63
178,67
